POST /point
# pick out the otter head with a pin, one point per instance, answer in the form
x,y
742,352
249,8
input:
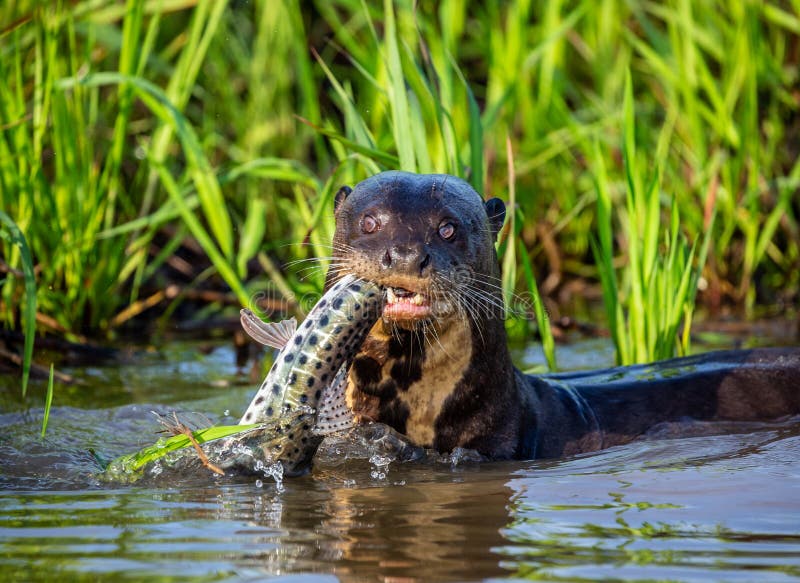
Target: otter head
x,y
428,239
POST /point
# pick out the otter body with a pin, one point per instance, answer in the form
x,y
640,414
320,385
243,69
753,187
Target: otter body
x,y
436,367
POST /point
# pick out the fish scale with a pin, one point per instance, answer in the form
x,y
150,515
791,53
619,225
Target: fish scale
x,y
327,338
305,368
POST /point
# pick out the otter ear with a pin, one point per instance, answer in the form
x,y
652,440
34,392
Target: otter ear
x,y
496,210
343,193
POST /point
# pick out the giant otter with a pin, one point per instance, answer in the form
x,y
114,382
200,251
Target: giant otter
x,y
437,369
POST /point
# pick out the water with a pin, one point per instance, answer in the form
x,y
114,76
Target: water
x,y
695,508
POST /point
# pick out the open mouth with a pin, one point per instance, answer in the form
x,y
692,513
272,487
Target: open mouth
x,y
404,304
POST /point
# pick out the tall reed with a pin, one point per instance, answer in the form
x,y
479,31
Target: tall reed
x,y
216,122
106,158
436,126
15,240
653,294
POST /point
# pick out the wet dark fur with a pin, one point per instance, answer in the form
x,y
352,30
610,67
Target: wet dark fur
x,y
450,382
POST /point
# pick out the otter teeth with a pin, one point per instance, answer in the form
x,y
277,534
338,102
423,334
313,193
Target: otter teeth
x,y
392,297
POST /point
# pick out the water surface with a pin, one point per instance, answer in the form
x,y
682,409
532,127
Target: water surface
x,y
698,507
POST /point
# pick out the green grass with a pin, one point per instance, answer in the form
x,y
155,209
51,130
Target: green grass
x,y
654,294
48,402
15,240
129,467
122,125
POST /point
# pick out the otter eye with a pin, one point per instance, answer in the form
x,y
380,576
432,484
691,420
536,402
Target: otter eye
x,y
369,224
447,230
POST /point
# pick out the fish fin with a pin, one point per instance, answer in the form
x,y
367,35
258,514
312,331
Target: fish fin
x,y
333,414
273,334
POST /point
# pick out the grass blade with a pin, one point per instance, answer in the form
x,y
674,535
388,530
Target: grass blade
x,y
203,177
130,463
20,245
542,318
49,400
398,99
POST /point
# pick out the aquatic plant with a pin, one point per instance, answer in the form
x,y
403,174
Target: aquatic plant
x,y
48,401
129,467
92,178
436,126
132,133
15,241
647,300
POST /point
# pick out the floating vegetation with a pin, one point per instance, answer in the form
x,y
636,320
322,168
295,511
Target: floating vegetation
x,y
130,467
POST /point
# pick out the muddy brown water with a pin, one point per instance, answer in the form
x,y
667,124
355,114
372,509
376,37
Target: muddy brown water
x,y
703,506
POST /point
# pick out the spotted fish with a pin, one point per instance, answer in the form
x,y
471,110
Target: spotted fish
x,y
310,371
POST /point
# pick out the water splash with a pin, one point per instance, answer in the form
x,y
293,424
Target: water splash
x,y
273,471
366,454
381,465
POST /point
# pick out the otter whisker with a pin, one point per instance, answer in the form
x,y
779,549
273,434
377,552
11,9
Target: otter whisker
x,y
338,270
483,297
435,334
485,300
425,339
410,359
307,273
394,331
489,282
308,260
471,316
333,265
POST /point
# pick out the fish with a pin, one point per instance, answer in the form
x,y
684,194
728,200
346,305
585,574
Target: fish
x,y
331,413
301,400
302,397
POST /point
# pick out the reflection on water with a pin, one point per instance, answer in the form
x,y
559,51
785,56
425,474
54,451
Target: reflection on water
x,y
696,507
722,507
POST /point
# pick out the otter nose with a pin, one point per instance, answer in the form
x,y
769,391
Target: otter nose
x,y
411,260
